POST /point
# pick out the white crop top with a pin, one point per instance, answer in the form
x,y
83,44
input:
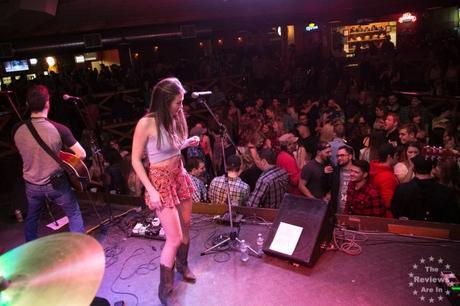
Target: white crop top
x,y
166,151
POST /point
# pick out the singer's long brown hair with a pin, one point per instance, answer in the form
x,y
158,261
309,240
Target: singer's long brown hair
x,y
163,94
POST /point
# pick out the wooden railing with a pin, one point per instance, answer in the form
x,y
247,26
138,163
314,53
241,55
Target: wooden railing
x,y
123,131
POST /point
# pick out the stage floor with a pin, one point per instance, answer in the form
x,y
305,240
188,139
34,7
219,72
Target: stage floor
x,y
380,275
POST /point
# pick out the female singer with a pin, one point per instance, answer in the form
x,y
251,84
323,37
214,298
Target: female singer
x,y
162,133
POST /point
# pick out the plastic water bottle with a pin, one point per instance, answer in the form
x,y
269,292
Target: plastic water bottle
x,y
244,251
260,244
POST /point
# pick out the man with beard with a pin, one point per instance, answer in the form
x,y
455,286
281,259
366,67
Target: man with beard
x,y
341,178
315,174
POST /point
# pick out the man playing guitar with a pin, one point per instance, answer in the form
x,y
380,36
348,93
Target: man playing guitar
x,y
44,177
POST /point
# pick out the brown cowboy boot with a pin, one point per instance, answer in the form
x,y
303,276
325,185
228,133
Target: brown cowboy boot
x,y
182,264
166,284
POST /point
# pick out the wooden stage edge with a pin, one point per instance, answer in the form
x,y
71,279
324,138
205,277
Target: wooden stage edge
x,y
360,223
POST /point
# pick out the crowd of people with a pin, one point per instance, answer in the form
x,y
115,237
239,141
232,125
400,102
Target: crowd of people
x,y
302,124
375,163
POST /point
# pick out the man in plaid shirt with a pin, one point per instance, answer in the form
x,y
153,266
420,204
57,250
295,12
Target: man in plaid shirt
x,y
239,190
196,168
362,198
272,183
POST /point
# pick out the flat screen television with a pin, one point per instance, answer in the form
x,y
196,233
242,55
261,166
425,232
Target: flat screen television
x,y
13,66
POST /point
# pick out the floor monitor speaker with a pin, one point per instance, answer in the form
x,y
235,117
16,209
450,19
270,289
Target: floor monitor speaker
x,y
301,230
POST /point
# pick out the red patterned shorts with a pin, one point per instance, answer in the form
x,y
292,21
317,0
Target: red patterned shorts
x,y
172,183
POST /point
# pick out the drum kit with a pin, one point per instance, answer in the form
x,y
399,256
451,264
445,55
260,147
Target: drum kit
x,y
61,269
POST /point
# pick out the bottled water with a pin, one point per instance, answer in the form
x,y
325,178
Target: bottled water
x,y
244,251
260,244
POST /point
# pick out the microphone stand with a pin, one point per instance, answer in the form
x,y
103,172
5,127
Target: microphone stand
x,y
103,224
96,159
233,235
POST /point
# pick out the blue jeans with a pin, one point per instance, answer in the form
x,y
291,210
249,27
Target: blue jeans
x,y
64,197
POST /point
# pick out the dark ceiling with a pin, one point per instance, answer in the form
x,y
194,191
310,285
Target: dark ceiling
x,y
80,16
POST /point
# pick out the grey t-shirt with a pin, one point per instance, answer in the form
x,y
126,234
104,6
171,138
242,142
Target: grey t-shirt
x,y
313,174
343,188
38,166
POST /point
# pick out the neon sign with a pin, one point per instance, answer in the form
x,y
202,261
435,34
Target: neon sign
x,y
407,17
311,27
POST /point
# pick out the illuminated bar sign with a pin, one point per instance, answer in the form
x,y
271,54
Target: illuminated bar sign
x,y
407,17
311,27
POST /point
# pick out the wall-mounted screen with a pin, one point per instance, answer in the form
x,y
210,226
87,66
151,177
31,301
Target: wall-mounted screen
x,y
13,66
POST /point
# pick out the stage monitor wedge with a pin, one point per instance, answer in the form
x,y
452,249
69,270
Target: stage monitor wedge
x,y
301,230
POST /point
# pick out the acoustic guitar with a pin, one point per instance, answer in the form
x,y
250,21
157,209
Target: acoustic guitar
x,y
76,170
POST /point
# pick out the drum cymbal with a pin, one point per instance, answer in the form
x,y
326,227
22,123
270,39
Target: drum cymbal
x,y
61,269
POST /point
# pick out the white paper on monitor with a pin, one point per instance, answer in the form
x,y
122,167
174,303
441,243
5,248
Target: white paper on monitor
x,y
60,223
286,238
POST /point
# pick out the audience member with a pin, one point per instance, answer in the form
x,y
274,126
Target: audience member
x,y
114,181
404,168
376,140
362,198
196,170
382,177
391,129
307,139
287,161
341,178
423,198
407,133
338,141
239,190
272,183
315,176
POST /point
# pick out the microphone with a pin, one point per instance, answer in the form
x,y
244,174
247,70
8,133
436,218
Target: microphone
x,y
197,94
6,92
69,97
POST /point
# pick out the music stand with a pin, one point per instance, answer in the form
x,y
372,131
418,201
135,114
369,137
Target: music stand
x,y
233,235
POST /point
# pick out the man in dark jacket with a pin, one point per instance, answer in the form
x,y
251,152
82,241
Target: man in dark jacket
x,y
423,198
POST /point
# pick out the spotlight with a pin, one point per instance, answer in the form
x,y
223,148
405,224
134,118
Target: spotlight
x,y
33,61
50,61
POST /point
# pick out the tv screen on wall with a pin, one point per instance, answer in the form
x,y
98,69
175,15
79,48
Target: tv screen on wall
x,y
13,66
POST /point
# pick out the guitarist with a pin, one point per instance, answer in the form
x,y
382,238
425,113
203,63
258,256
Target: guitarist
x,y
44,178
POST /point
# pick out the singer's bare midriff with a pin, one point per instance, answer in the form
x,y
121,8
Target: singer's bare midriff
x,y
171,162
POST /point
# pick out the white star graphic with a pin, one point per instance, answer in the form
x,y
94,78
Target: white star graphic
x,y
431,300
447,266
422,298
431,258
440,298
422,261
411,284
415,266
411,274
440,260
447,292
415,292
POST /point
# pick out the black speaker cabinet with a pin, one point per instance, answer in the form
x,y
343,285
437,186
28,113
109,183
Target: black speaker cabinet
x,y
312,218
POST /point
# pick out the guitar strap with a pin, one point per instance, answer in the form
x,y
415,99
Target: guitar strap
x,y
45,146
